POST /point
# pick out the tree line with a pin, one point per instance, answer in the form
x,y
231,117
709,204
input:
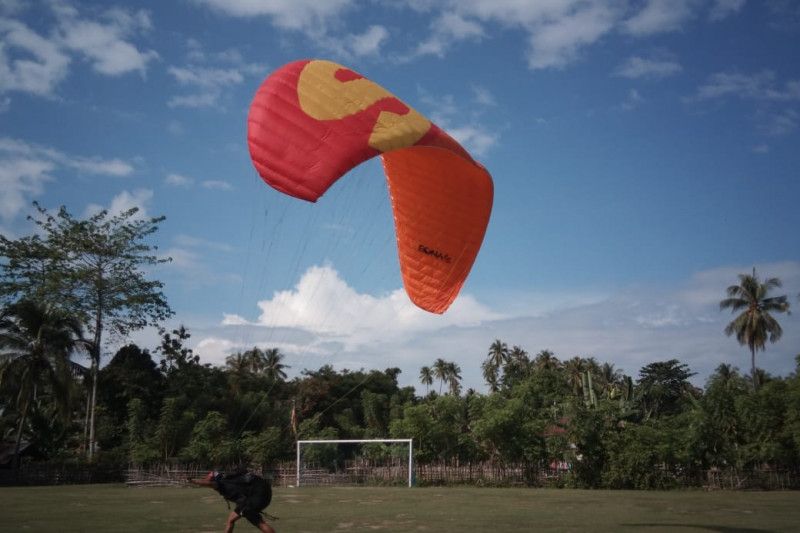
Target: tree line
x,y
77,281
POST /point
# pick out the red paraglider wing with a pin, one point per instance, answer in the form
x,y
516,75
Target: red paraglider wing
x,y
312,121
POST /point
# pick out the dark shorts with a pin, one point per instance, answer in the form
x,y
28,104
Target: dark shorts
x,y
252,507
252,516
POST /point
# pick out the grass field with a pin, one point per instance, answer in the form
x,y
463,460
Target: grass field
x,y
112,508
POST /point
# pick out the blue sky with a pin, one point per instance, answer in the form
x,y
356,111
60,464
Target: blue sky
x,y
644,153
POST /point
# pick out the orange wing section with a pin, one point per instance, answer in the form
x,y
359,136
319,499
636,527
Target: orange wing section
x,y
441,204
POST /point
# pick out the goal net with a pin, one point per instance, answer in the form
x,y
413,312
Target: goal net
x,y
355,462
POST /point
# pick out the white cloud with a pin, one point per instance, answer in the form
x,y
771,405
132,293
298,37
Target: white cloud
x,y
658,16
476,139
38,69
325,305
369,42
187,241
87,165
33,63
722,8
467,130
758,86
178,180
557,43
26,167
762,88
123,201
20,180
218,185
322,320
106,43
448,29
307,15
483,96
779,122
633,100
639,67
209,81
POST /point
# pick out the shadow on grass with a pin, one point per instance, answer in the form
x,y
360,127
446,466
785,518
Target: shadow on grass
x,y
718,529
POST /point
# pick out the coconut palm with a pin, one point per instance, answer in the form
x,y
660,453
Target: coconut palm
x,y
426,378
440,372
754,325
546,360
272,366
454,378
36,341
495,359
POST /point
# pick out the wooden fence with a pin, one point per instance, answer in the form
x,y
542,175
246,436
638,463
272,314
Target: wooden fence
x,y
374,474
66,473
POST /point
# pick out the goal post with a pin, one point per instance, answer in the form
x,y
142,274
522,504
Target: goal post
x,y
410,443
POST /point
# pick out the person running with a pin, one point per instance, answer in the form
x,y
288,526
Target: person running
x,y
251,494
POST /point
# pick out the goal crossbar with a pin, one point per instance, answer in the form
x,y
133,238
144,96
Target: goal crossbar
x,y
410,443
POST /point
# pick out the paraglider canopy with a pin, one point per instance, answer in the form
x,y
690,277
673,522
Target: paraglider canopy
x,y
312,121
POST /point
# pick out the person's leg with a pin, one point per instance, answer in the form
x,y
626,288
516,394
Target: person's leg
x,y
232,518
264,527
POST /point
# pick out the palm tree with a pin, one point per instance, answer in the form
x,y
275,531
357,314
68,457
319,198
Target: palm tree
x,y
426,378
754,325
546,360
495,359
575,369
272,366
35,344
440,372
454,378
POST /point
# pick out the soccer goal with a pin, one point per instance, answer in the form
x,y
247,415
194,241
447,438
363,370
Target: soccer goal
x,y
354,461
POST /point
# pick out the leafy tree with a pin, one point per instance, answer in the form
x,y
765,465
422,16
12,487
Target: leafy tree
x,y
722,427
211,442
754,325
36,341
662,387
95,269
131,374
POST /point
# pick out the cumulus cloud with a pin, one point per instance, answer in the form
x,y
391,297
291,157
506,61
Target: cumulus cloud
x,y
322,303
29,62
323,320
105,43
34,63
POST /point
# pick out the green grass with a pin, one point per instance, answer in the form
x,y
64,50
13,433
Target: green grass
x,y
113,508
